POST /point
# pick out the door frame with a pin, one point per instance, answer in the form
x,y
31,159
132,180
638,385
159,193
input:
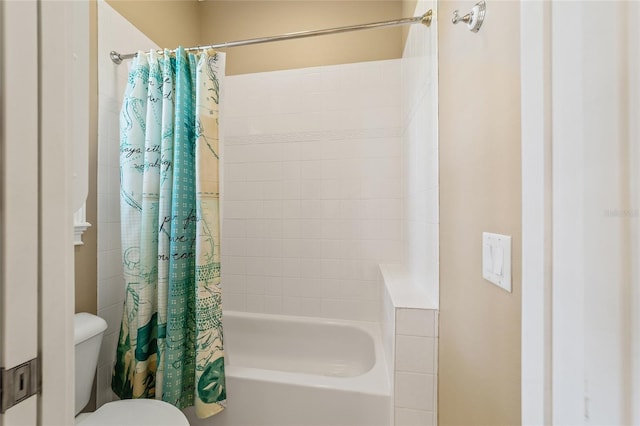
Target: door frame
x,y
64,106
535,45
559,77
44,102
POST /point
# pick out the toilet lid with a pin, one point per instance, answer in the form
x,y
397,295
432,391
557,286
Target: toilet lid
x,y
136,412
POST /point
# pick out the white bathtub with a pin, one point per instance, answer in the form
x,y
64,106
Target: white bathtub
x,y
298,371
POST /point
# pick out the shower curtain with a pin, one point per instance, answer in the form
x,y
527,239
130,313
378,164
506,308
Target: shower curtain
x,y
170,344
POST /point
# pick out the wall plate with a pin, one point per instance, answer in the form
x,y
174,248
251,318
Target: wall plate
x,y
496,259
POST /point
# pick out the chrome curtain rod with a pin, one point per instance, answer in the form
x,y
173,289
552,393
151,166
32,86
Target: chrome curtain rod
x,y
424,19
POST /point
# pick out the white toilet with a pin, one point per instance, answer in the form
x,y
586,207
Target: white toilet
x,y
131,412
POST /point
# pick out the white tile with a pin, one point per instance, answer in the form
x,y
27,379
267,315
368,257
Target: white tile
x,y
415,322
234,247
291,189
109,264
292,229
291,286
310,228
291,170
330,209
341,229
351,209
272,190
382,209
242,209
111,209
340,249
387,168
330,189
368,270
255,303
414,390
255,285
103,386
110,291
408,417
388,328
272,286
291,268
234,172
108,350
291,209
272,247
239,191
291,247
383,251
351,188
292,152
265,171
234,283
235,153
415,354
113,316
307,248
273,304
311,169
340,269
382,188
310,268
311,189
269,228
311,208
351,309
381,229
233,265
348,289
301,306
310,151
272,209
264,266
234,302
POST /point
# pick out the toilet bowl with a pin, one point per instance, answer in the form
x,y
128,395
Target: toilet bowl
x,y
88,330
134,412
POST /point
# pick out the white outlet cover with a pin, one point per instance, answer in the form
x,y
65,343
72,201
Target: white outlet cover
x,y
496,259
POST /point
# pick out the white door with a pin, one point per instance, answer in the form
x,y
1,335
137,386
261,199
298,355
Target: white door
x,y
19,197
581,213
43,110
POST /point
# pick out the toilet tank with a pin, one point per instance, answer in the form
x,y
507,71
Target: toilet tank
x,y
88,330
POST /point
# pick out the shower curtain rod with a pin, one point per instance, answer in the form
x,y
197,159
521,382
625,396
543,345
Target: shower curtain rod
x,y
424,19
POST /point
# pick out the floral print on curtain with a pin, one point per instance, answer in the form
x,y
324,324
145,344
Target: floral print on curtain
x,y
171,341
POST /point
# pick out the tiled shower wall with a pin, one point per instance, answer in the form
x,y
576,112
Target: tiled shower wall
x,y
410,297
420,155
311,189
112,80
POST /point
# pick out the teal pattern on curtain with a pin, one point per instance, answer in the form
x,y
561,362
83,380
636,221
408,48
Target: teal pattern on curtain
x,y
171,341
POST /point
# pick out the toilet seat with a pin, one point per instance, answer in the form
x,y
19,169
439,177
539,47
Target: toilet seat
x,y
135,412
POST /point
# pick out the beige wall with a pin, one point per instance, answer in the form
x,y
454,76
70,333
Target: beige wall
x,y
86,272
192,23
480,190
167,22
237,20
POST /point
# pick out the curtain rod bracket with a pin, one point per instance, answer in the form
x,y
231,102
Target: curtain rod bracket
x,y
115,57
426,18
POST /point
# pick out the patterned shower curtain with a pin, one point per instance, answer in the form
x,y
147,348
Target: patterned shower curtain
x,y
170,344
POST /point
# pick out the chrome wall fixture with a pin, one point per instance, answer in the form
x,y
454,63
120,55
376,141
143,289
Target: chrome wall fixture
x,y
474,18
423,19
